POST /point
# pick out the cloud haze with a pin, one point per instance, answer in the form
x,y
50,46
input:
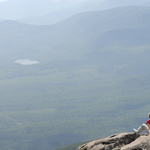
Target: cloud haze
x,y
20,9
3,0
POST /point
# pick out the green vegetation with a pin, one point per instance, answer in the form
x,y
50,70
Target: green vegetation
x,y
91,81
64,107
70,147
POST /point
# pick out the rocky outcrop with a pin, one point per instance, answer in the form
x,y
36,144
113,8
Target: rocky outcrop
x,y
122,141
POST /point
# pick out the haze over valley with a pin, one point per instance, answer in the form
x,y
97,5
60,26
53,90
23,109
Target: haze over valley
x,y
71,69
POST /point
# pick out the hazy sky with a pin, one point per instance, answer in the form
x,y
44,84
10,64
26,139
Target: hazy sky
x,y
18,9
15,9
2,0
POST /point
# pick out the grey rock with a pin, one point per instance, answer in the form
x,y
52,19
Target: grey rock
x,y
121,141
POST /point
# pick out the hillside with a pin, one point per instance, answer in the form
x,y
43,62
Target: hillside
x,y
92,72
81,31
55,16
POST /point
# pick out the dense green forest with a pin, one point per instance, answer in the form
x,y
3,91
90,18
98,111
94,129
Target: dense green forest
x,y
60,108
92,79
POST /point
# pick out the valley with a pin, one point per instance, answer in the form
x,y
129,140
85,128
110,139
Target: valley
x,y
83,78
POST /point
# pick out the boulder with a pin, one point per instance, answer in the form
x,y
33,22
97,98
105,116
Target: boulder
x,y
121,141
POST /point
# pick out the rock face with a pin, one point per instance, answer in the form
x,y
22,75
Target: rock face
x,y
122,141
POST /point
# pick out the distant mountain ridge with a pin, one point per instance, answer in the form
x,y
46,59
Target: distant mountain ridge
x,y
82,31
88,5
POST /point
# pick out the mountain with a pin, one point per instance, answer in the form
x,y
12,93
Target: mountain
x,y
50,18
107,4
52,11
62,83
87,5
80,33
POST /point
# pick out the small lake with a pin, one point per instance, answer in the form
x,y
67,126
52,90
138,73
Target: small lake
x,y
27,62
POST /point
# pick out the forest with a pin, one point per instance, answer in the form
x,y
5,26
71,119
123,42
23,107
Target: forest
x,y
92,78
